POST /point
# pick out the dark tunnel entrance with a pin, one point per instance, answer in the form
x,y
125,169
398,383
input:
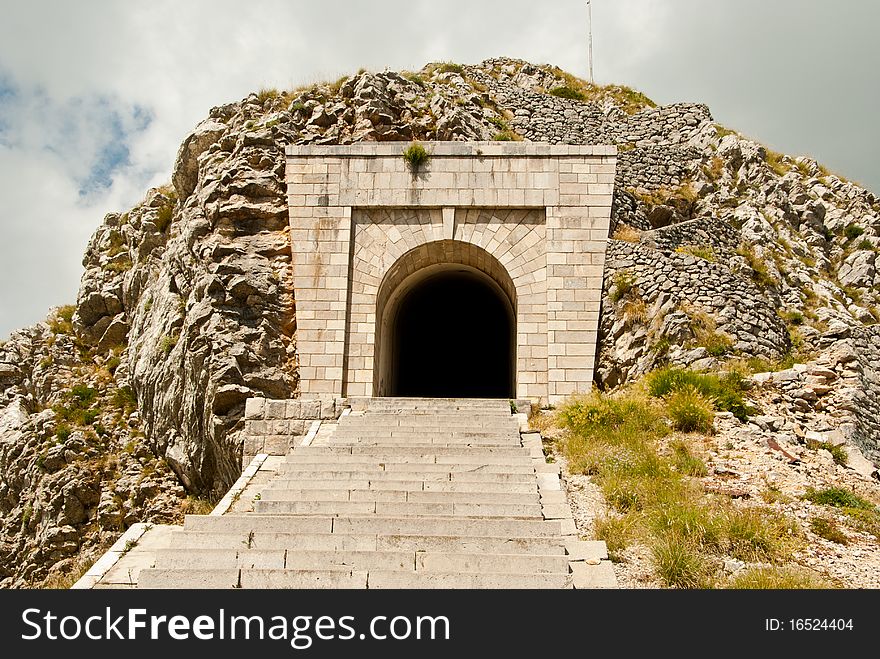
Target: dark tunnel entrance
x,y
453,337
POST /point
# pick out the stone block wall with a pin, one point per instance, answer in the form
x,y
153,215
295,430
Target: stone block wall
x,y
274,426
537,212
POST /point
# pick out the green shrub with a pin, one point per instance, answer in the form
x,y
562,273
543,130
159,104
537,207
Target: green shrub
x,y
690,411
26,515
499,123
793,317
415,156
83,394
125,400
828,529
853,231
61,323
564,91
866,245
167,343
62,432
838,497
777,578
623,283
724,391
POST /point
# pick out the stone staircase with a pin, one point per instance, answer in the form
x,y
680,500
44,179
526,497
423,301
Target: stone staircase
x,y
402,493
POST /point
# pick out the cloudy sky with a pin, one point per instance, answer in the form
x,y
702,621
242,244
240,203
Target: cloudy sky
x,y
96,95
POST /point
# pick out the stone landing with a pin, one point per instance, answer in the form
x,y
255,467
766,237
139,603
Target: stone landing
x,y
396,493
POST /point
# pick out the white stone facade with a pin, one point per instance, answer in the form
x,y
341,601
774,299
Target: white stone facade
x,y
531,218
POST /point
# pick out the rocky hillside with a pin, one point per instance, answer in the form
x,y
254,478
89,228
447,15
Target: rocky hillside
x,y
113,409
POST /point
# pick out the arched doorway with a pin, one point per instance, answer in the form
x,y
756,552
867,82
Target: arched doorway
x,y
447,329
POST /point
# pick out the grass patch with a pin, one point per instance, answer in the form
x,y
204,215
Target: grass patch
x,y
829,530
866,245
125,400
196,506
75,409
690,411
165,215
724,132
774,160
623,284
167,343
725,391
61,321
450,67
414,77
571,93
715,169
507,136
777,578
678,565
122,265
838,453
627,233
416,156
707,335
760,272
617,532
838,497
267,94
654,496
686,462
705,252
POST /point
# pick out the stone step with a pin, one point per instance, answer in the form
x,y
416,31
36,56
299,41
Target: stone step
x,y
366,426
403,509
411,403
420,561
438,420
253,579
408,449
430,460
368,542
438,441
430,424
282,559
302,476
419,496
474,526
408,486
374,467
378,579
455,580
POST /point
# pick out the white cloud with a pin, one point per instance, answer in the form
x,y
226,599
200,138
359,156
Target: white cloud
x,y
81,66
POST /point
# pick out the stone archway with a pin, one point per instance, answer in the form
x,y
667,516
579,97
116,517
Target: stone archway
x,y
446,325
540,211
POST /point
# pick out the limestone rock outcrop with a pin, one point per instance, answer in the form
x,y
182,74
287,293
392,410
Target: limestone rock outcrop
x,y
721,249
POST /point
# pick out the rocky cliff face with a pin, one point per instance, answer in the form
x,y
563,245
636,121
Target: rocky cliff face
x,y
721,249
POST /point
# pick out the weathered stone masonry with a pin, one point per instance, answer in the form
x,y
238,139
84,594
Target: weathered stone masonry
x,y
533,218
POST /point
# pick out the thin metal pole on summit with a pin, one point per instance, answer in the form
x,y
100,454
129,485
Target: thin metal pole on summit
x,y
590,38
